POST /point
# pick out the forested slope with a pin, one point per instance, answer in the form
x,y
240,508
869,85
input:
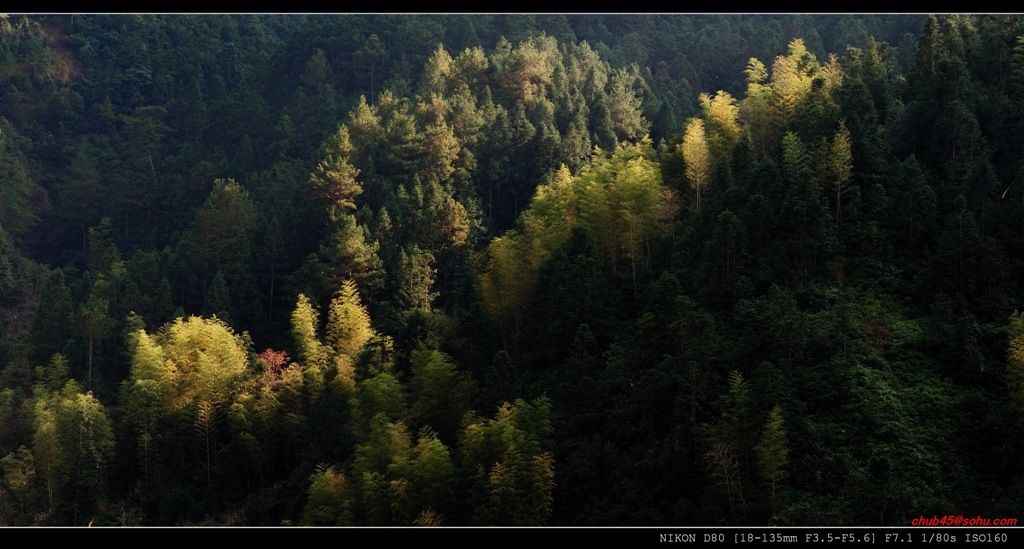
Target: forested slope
x,y
517,270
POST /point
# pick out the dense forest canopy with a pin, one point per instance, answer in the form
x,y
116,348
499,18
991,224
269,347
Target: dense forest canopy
x,y
510,269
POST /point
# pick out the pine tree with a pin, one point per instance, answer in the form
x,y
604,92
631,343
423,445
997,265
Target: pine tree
x,y
334,178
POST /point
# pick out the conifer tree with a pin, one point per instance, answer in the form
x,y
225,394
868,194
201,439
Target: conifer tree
x,y
334,178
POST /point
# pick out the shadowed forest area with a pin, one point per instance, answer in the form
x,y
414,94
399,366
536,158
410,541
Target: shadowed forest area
x,y
491,269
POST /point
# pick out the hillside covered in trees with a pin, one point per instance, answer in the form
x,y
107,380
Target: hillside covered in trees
x,y
510,269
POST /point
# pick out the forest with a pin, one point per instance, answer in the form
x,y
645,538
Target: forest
x,y
518,270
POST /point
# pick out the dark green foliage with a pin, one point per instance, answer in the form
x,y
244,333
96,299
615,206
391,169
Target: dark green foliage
x,y
822,339
20,196
51,329
441,393
511,472
328,503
